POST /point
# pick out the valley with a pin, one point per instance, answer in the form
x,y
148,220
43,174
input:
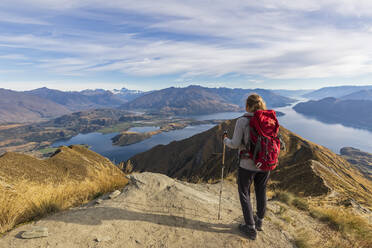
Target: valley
x,y
108,112
38,137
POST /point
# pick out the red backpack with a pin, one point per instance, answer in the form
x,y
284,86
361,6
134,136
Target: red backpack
x,y
264,144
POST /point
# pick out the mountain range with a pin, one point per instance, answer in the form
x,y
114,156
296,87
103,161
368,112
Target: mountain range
x,y
77,101
353,113
336,92
292,93
22,107
201,100
43,103
129,95
359,95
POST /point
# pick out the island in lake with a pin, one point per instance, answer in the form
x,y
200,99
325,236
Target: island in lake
x,y
126,138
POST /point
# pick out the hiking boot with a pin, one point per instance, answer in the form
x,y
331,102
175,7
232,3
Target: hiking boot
x,y
258,223
251,233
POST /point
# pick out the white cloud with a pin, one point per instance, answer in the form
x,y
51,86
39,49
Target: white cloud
x,y
11,18
13,57
273,39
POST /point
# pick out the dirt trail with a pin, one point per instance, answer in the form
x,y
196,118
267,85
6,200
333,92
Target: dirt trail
x,y
154,211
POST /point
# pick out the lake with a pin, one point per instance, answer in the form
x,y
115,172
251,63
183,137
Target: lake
x,y
332,136
101,143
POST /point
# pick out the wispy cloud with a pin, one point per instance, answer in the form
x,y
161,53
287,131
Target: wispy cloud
x,y
270,39
13,57
11,18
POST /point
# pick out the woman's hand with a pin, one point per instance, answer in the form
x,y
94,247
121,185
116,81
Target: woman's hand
x,y
224,135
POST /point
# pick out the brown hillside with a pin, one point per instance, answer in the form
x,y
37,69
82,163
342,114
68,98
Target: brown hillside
x,y
305,168
21,107
31,188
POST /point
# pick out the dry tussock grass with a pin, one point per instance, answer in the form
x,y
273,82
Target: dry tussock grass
x,y
28,200
353,227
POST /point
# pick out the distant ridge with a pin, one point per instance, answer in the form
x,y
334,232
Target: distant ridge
x,y
292,93
77,101
21,107
238,96
182,101
336,92
201,100
359,95
352,113
129,95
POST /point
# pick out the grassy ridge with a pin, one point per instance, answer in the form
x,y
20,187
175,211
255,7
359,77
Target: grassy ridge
x,y
348,225
74,176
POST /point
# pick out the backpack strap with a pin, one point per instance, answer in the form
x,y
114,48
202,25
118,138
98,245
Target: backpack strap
x,y
282,143
246,128
244,153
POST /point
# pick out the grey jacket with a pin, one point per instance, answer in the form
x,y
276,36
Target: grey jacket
x,y
241,130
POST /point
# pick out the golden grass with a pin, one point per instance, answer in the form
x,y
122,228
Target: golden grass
x,y
302,241
290,199
300,204
351,226
283,196
28,200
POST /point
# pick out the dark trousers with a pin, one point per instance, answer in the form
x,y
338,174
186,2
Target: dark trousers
x,y
245,179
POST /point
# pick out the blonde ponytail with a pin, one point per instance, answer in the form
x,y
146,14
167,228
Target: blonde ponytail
x,y
255,102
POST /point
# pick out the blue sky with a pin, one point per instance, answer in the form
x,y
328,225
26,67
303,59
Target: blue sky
x,y
146,45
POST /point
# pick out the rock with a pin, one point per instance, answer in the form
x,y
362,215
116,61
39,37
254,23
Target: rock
x,y
35,232
98,201
102,239
114,194
134,179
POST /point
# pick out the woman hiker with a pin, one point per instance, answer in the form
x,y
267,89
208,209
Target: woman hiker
x,y
248,172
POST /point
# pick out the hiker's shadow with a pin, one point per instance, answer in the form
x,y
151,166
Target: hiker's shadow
x,y
96,215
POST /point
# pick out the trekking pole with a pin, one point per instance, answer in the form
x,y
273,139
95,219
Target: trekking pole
x,y
223,167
